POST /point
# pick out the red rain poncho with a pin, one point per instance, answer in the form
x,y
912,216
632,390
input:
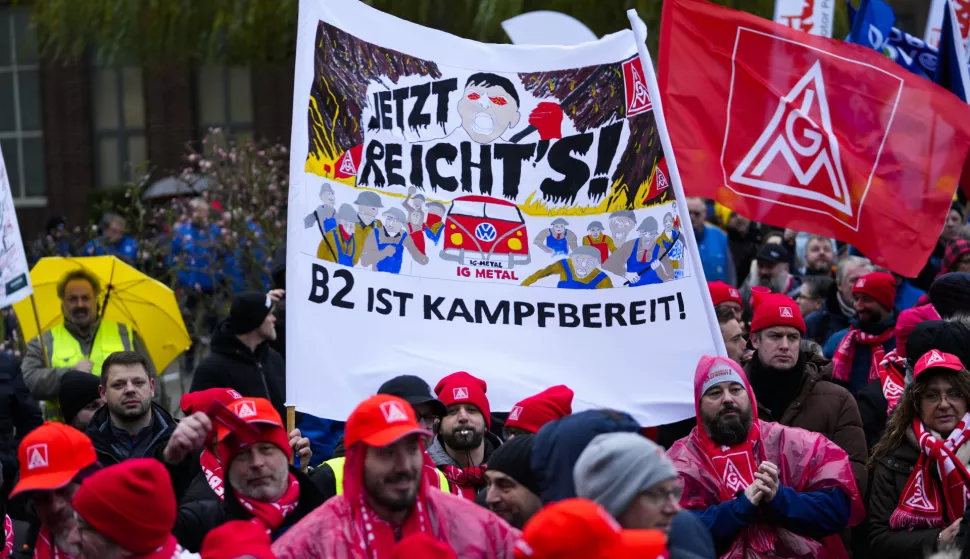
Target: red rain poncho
x,y
806,462
335,531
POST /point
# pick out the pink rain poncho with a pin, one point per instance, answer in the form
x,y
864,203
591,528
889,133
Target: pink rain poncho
x,y
806,462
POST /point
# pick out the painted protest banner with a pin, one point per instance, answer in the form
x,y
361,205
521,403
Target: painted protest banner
x,y
811,16
14,273
490,208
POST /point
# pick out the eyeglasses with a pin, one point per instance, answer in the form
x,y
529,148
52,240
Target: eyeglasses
x,y
427,418
936,397
659,497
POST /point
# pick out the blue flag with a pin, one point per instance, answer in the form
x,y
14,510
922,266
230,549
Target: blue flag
x,y
872,24
951,68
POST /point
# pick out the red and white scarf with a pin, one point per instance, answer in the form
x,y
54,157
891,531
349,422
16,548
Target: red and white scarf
x,y
735,467
926,502
892,378
377,536
845,354
8,537
213,472
464,482
44,548
273,514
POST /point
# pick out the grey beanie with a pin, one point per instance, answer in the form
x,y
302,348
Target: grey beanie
x,y
616,467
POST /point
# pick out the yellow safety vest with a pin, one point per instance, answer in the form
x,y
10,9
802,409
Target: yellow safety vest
x,y
65,351
337,465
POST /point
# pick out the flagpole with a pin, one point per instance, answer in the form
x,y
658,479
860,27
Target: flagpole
x,y
40,333
640,32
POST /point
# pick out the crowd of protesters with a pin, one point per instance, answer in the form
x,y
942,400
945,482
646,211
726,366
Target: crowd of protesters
x,y
835,427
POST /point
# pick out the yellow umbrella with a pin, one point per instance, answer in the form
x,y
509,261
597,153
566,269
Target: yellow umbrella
x,y
134,299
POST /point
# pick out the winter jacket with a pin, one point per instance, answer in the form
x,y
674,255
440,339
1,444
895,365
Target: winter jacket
x,y
110,452
862,359
712,243
194,256
821,324
689,538
198,518
233,365
19,415
126,249
907,295
559,443
470,530
872,408
441,458
822,407
889,478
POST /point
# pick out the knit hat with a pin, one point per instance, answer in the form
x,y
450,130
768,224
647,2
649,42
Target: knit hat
x,y
422,546
78,389
616,467
414,391
132,504
715,370
51,456
881,286
463,388
950,293
955,249
513,459
248,311
948,337
237,538
580,529
908,319
260,414
723,293
535,411
775,309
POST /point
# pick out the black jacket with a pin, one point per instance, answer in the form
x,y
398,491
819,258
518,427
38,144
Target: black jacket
x,y
232,365
19,415
872,408
163,425
198,518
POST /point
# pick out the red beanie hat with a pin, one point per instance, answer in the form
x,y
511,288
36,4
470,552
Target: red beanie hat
x,y
908,320
237,538
423,546
776,309
462,388
881,286
132,504
723,293
535,411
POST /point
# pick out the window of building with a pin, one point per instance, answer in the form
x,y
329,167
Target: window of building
x,y
20,117
225,100
119,124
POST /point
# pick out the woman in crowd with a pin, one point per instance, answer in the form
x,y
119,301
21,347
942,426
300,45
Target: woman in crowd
x,y
911,511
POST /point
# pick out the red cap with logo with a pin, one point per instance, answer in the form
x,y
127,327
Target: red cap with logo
x,y
881,286
382,420
50,456
776,310
535,411
259,413
935,359
723,293
580,529
463,388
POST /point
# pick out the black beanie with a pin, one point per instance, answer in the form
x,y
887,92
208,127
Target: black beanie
x,y
513,459
950,293
78,389
248,311
948,337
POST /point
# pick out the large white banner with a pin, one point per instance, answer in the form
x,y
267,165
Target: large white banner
x,y
934,21
503,210
811,16
14,274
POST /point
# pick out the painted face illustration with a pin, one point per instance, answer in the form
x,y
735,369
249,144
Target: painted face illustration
x,y
487,112
367,213
595,232
392,225
668,223
584,265
348,226
558,229
620,226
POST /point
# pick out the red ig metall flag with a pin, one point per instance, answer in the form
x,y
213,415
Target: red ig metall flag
x,y
810,133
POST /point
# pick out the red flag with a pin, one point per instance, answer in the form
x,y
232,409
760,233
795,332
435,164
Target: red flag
x,y
810,133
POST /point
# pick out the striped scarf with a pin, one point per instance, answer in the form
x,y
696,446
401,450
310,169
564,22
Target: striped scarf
x,y
892,378
845,354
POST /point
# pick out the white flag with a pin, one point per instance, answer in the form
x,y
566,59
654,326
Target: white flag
x,y
14,273
810,16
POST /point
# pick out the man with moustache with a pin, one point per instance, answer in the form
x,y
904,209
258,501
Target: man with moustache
x,y
54,459
82,342
761,488
771,271
464,442
857,351
387,499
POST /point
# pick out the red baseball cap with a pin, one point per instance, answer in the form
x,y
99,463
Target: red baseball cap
x,y
935,359
51,456
251,410
381,420
581,529
260,414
